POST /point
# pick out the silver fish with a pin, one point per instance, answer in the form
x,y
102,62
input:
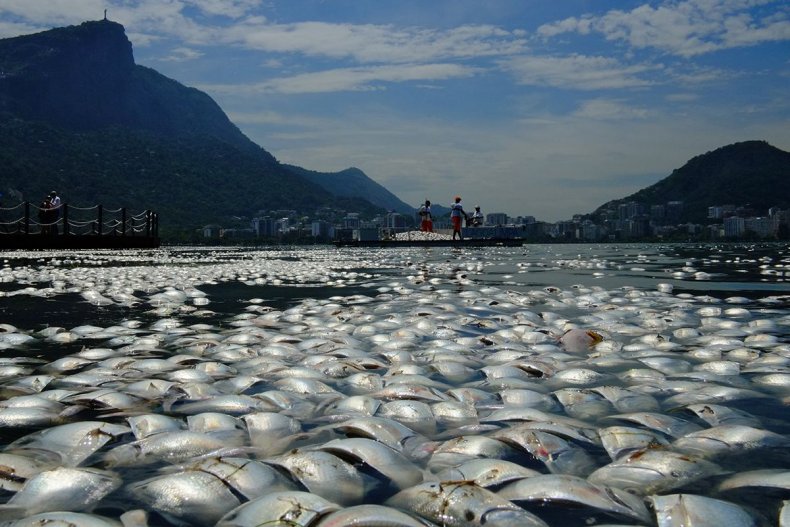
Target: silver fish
x,y
671,426
325,474
371,515
763,479
388,462
649,471
16,469
547,488
63,518
716,414
74,442
690,510
487,472
61,489
174,447
292,508
622,440
729,438
462,504
556,454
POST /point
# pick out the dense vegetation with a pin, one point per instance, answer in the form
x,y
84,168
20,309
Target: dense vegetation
x,y
190,181
77,115
751,173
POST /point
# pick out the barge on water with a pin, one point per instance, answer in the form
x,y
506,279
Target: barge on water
x,y
28,226
473,237
466,242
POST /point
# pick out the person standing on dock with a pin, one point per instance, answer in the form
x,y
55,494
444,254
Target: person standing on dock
x,y
457,215
477,217
426,220
54,205
45,216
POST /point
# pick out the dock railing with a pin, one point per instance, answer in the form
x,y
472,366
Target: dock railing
x,y
69,221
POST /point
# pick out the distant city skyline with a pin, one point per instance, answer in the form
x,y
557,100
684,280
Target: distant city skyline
x,y
533,107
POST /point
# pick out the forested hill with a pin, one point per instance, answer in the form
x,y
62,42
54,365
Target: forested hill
x,y
352,182
750,173
78,115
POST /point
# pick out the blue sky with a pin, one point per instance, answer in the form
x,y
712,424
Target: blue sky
x,y
530,107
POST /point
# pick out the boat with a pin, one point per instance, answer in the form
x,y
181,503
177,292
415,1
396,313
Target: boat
x,y
466,242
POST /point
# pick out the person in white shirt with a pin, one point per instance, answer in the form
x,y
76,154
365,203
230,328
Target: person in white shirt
x,y
426,220
457,215
477,217
54,207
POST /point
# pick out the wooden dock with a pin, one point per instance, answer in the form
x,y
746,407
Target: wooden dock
x,y
27,226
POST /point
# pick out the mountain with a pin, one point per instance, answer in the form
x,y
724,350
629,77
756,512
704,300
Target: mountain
x,y
750,173
78,115
352,182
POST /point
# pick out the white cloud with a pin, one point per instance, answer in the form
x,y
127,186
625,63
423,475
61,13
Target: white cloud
x,y
686,28
54,12
577,72
608,109
348,79
682,97
12,29
228,8
368,43
182,54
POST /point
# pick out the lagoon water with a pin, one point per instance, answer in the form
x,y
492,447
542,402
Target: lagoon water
x,y
455,344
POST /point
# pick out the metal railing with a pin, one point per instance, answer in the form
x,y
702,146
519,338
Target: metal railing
x,y
70,220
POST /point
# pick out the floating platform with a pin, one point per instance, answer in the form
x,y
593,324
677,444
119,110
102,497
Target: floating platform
x,y
466,242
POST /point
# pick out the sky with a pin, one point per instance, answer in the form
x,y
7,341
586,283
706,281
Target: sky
x,y
530,107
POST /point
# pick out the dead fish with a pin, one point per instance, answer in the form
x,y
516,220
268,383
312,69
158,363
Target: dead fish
x,y
486,472
564,489
460,449
28,417
228,404
270,431
73,442
61,489
768,478
671,426
149,424
387,431
653,470
578,340
623,440
324,474
690,510
728,439
457,504
716,414
371,515
292,508
173,447
203,494
556,454
385,460
16,469
627,399
63,518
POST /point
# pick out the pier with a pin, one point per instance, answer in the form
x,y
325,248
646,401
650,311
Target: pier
x,y
28,226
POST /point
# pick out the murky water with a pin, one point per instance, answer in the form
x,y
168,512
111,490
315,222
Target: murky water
x,y
452,343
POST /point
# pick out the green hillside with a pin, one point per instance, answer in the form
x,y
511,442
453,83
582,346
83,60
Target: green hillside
x,y
78,115
751,173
